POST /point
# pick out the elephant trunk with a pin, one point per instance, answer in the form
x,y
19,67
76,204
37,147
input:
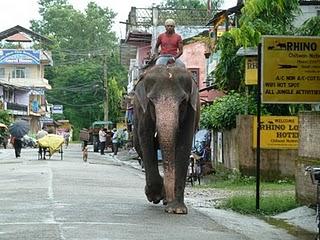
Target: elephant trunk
x,y
167,119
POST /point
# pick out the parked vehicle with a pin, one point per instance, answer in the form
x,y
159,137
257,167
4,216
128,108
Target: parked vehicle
x,y
91,136
28,141
201,142
201,150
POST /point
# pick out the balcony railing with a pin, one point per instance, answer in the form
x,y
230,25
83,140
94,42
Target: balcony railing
x,y
17,107
144,18
309,2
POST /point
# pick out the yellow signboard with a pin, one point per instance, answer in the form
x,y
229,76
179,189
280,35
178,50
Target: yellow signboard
x,y
277,132
251,74
290,69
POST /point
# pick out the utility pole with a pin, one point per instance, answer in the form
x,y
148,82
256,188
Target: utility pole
x,y
105,81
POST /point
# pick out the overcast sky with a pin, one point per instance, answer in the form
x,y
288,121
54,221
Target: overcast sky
x,y
20,12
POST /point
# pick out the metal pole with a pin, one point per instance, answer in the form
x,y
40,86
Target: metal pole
x,y
258,130
106,97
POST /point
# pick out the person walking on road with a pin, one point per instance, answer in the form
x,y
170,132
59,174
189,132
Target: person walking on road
x,y
17,145
115,141
102,140
66,137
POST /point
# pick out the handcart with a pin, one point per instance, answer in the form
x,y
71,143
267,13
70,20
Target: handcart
x,y
50,144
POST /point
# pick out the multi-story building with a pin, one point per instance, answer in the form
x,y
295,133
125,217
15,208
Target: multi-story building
x,y
22,82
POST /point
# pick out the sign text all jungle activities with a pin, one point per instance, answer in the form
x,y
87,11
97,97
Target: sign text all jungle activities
x,y
290,69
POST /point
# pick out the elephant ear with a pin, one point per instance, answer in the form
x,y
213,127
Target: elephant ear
x,y
194,97
141,95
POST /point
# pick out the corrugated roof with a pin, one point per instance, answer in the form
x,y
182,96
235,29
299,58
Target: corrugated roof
x,y
220,16
139,38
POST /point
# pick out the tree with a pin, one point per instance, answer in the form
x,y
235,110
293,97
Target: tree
x,y
259,17
82,42
311,27
5,117
115,98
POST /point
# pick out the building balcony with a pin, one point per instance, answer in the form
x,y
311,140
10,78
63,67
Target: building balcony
x,y
16,109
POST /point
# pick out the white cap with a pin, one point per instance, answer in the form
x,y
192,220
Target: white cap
x,y
169,22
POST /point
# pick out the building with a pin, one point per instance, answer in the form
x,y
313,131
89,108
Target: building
x,y
22,82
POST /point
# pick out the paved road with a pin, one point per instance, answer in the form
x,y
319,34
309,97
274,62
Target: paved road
x,y
102,199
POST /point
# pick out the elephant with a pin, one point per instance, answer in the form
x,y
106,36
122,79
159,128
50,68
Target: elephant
x,y
166,108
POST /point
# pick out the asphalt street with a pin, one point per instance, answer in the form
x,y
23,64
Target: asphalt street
x,y
104,199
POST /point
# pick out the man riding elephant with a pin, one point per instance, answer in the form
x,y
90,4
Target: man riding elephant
x,y
171,46
166,114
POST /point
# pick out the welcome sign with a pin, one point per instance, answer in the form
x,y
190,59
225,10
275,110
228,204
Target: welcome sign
x,y
277,132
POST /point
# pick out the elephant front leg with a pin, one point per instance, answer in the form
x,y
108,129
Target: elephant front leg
x,y
154,189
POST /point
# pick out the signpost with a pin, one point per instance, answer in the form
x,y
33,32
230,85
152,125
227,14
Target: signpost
x,y
290,69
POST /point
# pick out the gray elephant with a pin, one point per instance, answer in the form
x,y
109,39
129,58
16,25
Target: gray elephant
x,y
166,114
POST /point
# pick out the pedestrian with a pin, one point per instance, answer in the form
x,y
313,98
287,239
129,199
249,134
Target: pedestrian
x,y
42,150
85,151
171,45
115,141
102,140
17,145
66,137
125,138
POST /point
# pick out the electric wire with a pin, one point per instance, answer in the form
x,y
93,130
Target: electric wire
x,y
75,105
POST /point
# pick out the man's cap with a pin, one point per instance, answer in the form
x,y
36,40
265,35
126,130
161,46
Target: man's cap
x,y
169,22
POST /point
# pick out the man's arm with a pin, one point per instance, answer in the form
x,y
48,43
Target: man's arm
x,y
156,48
180,49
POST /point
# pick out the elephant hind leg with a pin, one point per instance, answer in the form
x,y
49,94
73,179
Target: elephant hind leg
x,y
155,192
176,207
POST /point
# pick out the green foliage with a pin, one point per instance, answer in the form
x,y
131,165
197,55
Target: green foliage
x,y
222,113
277,197
85,52
264,17
229,71
114,100
269,204
259,17
5,117
188,4
311,27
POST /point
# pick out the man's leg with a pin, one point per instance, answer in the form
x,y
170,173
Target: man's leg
x,y
103,146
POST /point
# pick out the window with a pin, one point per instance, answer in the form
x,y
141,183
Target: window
x,y
8,95
2,73
19,72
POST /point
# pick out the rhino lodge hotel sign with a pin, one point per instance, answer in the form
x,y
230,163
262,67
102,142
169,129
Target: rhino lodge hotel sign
x,y
290,69
277,132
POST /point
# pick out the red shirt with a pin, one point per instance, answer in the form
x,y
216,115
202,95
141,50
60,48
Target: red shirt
x,y
169,43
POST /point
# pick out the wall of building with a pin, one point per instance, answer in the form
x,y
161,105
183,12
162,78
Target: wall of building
x,y
309,155
193,57
238,153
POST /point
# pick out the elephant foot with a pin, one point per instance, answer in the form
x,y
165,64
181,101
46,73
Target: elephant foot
x,y
154,193
176,208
